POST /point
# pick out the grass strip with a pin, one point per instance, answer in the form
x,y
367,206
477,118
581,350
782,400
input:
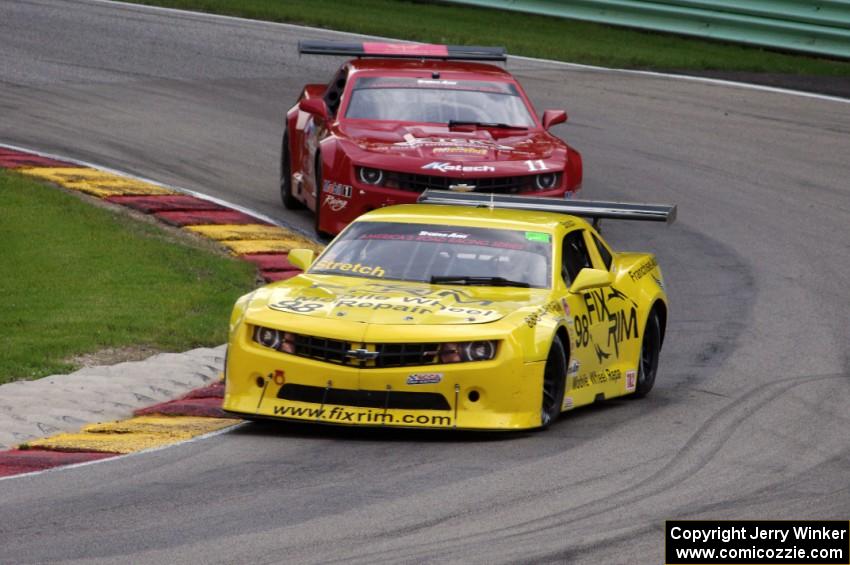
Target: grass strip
x,y
523,34
78,278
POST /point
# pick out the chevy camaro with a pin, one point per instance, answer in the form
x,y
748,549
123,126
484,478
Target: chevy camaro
x,y
406,117
468,311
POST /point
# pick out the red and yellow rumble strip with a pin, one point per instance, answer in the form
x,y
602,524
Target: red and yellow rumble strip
x,y
248,237
199,412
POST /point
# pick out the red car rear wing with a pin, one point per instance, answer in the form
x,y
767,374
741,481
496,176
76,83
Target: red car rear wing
x,y
582,208
403,50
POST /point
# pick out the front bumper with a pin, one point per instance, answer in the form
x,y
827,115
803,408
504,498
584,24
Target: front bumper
x,y
501,394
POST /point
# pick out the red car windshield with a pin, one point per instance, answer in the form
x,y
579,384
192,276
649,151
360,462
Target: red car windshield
x,y
437,101
439,254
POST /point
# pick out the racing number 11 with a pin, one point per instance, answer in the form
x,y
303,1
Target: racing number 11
x,y
537,165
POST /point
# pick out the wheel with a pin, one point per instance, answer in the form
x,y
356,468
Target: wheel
x,y
289,201
318,188
649,349
554,382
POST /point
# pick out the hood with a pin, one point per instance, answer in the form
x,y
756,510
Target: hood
x,y
392,302
438,143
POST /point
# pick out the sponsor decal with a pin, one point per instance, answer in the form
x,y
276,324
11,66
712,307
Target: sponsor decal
x,y
408,304
374,417
334,203
461,150
614,308
437,82
658,281
358,268
568,403
336,188
424,378
534,318
581,381
410,141
631,380
639,272
614,375
452,235
566,306
573,367
448,168
537,236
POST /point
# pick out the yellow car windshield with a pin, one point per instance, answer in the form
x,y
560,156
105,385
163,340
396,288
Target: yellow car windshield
x,y
440,254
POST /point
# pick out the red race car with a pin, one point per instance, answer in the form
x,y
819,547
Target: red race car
x,y
401,118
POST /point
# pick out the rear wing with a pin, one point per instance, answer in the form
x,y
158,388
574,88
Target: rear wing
x,y
582,208
402,50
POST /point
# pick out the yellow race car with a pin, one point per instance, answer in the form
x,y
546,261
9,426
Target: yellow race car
x,y
466,311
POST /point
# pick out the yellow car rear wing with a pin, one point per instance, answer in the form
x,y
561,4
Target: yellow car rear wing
x,y
596,210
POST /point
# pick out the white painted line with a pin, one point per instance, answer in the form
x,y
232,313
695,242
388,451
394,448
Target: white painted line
x,y
235,426
578,66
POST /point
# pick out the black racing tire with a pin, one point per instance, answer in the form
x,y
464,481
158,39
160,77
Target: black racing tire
x,y
554,383
286,196
649,353
318,188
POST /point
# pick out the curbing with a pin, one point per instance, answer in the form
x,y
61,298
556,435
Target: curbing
x,y
197,414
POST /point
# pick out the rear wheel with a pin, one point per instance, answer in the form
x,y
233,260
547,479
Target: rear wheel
x,y
649,350
289,201
554,382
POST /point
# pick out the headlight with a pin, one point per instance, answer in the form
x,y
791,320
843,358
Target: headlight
x,y
275,339
370,176
546,181
467,351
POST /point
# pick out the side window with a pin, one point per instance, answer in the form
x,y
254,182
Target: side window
x,y
333,95
603,252
575,256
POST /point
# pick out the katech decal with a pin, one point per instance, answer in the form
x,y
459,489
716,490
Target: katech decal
x,y
639,272
448,167
331,187
424,378
373,270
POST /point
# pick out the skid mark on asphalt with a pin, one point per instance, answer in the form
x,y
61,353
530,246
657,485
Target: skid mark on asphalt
x,y
696,453
199,412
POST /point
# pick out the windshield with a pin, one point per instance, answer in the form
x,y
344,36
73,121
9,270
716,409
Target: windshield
x,y
437,101
429,253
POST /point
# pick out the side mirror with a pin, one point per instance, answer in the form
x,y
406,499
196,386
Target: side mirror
x,y
553,117
314,106
591,278
301,258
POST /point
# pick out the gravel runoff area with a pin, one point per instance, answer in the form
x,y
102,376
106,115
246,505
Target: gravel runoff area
x,y
64,403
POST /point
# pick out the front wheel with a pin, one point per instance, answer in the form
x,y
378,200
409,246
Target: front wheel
x,y
317,216
554,382
648,363
289,201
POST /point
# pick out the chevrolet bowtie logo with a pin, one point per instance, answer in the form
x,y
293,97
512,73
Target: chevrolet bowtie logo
x,y
462,187
362,354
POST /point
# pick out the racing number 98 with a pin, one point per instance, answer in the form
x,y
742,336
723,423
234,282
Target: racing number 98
x,y
582,326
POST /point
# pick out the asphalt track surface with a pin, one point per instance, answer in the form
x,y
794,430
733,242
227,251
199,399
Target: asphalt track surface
x,y
751,410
